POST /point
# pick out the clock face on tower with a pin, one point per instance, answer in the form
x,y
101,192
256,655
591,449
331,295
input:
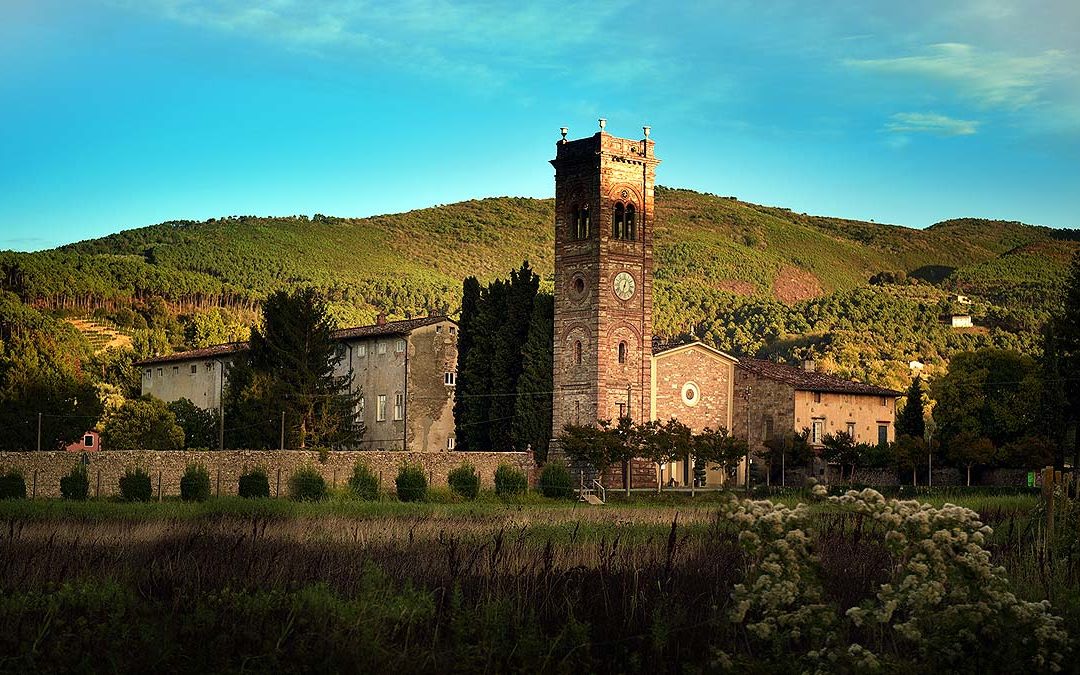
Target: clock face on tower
x,y
624,285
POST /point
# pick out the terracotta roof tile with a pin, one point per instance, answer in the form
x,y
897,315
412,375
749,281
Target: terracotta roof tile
x,y
805,380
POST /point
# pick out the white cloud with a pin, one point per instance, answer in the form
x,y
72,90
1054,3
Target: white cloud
x,y
931,123
990,79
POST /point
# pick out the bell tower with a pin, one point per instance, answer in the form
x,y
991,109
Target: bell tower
x,y
603,278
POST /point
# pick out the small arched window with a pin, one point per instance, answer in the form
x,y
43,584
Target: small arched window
x,y
630,228
622,352
585,224
618,218
580,222
577,353
575,218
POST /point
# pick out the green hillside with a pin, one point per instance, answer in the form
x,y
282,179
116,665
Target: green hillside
x,y
749,277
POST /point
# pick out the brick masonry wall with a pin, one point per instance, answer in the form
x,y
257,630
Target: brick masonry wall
x,y
42,470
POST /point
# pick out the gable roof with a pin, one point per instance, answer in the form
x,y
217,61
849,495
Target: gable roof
x,y
805,380
667,349
403,327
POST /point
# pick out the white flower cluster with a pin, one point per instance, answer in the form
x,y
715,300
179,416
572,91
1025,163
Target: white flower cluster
x,y
945,601
946,598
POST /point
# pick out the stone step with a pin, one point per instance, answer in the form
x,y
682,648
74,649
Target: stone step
x,y
594,500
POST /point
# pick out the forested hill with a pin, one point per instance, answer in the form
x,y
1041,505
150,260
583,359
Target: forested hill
x,y
715,256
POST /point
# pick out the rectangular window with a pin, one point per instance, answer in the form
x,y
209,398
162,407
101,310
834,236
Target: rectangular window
x,y
450,443
882,434
194,369
361,349
817,432
453,330
851,429
149,372
622,410
399,346
438,329
176,370
159,372
449,378
380,408
884,402
382,347
360,407
210,366
399,406
817,397
88,441
768,428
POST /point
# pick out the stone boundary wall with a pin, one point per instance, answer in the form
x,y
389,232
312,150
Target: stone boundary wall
x,y
42,470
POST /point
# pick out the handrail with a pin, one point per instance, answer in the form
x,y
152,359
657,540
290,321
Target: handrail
x,y
601,489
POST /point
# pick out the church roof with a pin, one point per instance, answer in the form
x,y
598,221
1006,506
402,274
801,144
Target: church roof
x,y
660,349
810,380
403,327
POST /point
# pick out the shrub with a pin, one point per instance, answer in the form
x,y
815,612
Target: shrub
x,y
254,484
363,483
135,486
464,481
509,481
75,485
307,485
555,481
195,484
12,485
411,483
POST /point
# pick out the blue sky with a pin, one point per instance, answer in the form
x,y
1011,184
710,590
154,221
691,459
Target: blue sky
x,y
130,112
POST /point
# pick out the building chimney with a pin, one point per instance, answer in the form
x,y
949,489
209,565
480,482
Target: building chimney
x,y
380,320
809,366
432,312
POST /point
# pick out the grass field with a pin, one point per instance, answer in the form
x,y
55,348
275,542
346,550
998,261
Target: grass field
x,y
526,585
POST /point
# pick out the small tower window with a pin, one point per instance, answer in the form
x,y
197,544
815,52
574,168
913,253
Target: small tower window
x,y
622,352
577,352
618,222
580,222
630,227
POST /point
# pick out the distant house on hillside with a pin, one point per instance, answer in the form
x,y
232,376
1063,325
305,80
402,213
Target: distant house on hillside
x,y
405,372
959,320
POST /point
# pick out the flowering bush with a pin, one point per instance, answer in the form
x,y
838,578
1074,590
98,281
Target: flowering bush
x,y
944,607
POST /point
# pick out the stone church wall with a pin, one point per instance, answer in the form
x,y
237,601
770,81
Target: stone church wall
x,y
42,470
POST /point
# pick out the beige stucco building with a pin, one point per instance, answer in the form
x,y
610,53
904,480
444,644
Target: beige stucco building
x,y
404,371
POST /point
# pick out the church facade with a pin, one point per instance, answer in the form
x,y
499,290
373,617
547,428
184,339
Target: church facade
x,y
605,362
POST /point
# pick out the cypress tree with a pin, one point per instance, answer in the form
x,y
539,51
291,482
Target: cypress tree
x,y
467,380
1068,339
475,393
532,415
911,421
510,332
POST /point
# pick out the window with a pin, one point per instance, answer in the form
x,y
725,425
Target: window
x,y
577,352
194,369
768,428
360,407
882,434
580,223
622,410
817,397
851,430
380,408
159,371
399,406
361,349
382,347
88,441
449,378
622,222
399,346
884,402
817,431
176,370
450,443
210,366
622,352
149,372
438,329
453,329
690,394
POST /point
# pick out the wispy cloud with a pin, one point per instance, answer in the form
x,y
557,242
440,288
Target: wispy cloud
x,y
931,123
989,79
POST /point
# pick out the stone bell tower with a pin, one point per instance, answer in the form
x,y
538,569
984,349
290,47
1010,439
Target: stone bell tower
x,y
603,278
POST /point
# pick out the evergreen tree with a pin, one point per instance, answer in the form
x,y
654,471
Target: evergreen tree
x,y
1068,334
911,421
290,368
509,336
476,393
532,415
469,382
1053,399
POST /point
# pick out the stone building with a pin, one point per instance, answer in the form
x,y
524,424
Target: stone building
x,y
605,366
404,371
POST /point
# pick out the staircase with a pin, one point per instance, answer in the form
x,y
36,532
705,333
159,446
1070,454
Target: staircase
x,y
594,494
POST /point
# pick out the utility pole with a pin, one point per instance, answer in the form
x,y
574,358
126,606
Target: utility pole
x,y
221,429
39,432
281,445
